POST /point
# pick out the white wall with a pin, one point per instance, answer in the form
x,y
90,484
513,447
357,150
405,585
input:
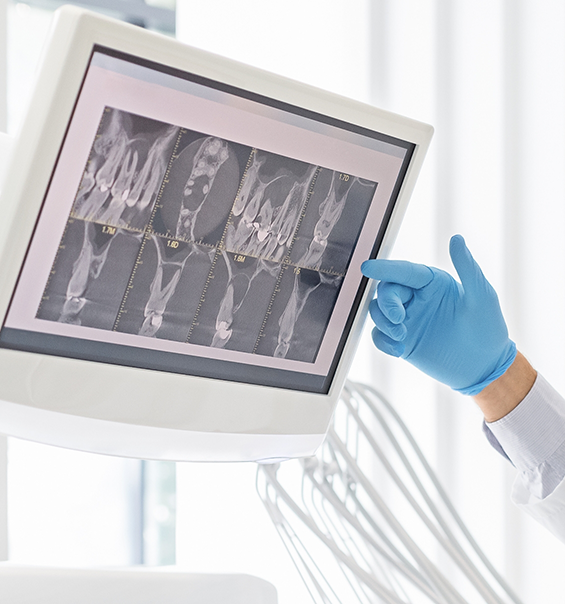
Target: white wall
x,y
3,65
72,509
26,36
322,42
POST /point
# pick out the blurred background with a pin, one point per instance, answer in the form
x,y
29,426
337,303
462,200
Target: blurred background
x,y
489,75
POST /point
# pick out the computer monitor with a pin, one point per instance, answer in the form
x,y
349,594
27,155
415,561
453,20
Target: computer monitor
x,y
180,248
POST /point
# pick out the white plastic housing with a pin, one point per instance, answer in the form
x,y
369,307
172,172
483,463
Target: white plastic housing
x,y
135,412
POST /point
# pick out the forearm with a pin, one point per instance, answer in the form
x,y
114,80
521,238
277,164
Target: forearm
x,y
504,394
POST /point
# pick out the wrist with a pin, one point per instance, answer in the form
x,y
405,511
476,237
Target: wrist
x,y
502,363
506,392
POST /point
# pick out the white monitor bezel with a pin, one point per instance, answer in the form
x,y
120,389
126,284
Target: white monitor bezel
x,y
117,411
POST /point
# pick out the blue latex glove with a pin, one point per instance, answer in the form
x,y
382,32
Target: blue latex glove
x,y
454,332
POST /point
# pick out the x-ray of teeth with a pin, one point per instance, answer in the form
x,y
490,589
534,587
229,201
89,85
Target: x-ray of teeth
x,y
327,236
184,236
299,315
250,182
236,302
330,212
209,158
273,194
300,293
125,171
201,186
106,156
165,293
90,275
87,268
163,286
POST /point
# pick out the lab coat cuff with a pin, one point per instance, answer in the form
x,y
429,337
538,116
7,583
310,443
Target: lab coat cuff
x,y
533,436
493,442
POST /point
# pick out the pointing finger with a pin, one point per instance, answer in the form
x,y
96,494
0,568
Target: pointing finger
x,y
398,271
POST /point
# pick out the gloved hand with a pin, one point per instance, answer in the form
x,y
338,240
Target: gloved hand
x,y
454,332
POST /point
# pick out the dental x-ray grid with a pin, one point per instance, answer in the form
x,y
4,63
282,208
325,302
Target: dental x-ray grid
x,y
179,235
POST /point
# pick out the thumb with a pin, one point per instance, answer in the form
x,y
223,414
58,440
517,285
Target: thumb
x,y
470,273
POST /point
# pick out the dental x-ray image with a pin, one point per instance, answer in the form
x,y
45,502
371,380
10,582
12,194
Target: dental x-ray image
x,y
125,170
183,236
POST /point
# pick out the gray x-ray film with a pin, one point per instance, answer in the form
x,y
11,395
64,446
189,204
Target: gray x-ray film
x,y
184,236
125,170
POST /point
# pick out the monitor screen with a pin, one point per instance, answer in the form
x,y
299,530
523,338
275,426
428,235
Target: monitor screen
x,y
197,228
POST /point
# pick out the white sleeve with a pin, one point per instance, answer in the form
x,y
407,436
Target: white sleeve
x,y
549,512
533,438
